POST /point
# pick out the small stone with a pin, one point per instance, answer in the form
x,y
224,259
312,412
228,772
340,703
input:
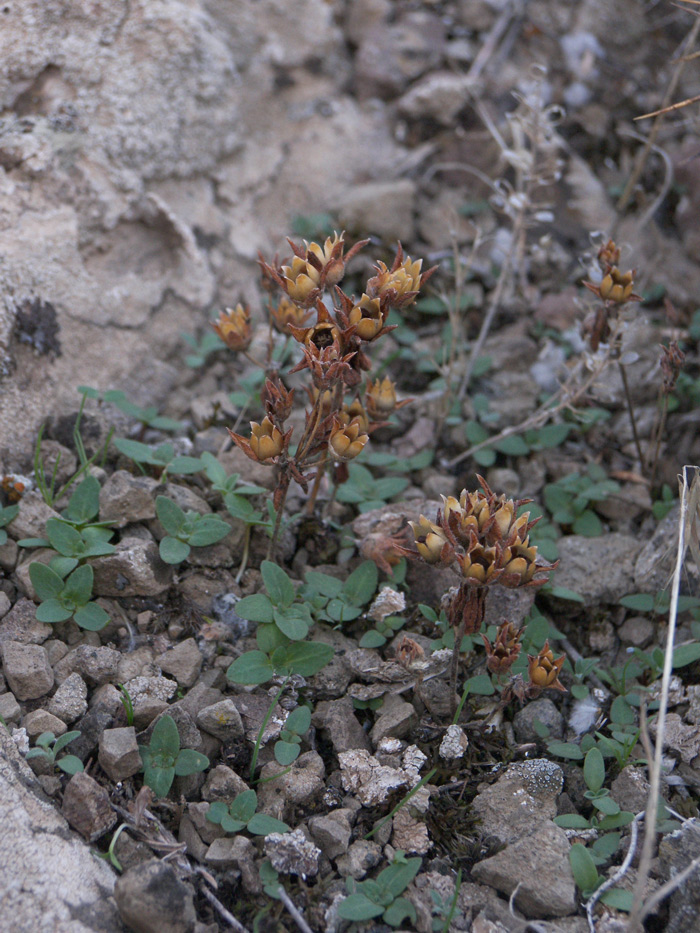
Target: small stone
x,y
292,853
331,833
21,624
361,857
184,662
39,721
338,721
32,517
409,832
119,753
396,718
207,831
301,785
222,783
134,569
637,631
69,702
221,720
454,743
630,789
365,777
543,711
96,665
439,96
517,803
91,726
9,707
138,663
383,207
125,499
87,808
152,899
538,866
149,697
236,852
27,670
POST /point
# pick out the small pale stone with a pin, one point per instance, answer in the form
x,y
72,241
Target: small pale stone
x,y
371,782
184,662
360,858
221,720
87,808
150,897
27,670
69,702
454,743
292,853
331,833
39,721
9,708
119,753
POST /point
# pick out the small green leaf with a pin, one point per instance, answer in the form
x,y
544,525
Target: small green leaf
x,y
279,587
64,538
190,762
286,753
262,825
173,551
481,685
572,821
91,617
621,712
165,739
361,585
65,739
185,465
605,846
253,667
170,515
135,450
256,608
358,908
47,583
513,446
208,531
52,610
583,868
299,720
639,602
397,877
78,586
606,805
561,592
565,750
160,780
291,624
217,811
618,898
594,770
84,503
307,658
685,654
402,909
372,639
71,764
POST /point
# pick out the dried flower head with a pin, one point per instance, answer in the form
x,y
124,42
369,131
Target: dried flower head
x,y
367,317
409,653
287,313
346,440
430,540
234,327
502,654
398,286
380,399
672,359
544,669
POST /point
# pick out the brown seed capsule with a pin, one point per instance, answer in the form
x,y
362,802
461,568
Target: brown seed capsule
x,y
380,398
266,441
430,539
234,328
347,441
367,317
544,669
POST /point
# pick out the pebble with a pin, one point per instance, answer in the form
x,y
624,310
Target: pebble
x,y
87,808
27,670
454,743
184,662
69,702
292,853
152,899
221,720
119,754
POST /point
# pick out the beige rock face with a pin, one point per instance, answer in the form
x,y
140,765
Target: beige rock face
x,y
146,154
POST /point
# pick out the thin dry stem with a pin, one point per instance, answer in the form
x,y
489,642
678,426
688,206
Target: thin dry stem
x,y
656,126
655,781
293,911
630,409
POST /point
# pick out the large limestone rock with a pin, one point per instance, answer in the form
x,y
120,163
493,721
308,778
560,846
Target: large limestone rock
x,y
148,150
49,878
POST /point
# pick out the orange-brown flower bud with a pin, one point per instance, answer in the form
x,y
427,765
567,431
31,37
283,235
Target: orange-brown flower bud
x,y
380,398
354,412
367,317
330,258
234,328
266,441
608,255
347,441
617,286
301,280
430,539
544,669
286,313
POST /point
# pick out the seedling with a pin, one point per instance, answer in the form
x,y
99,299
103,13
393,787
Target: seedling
x,y
186,530
240,815
222,483
296,725
381,896
69,598
203,348
48,747
338,601
163,759
607,814
127,703
569,499
162,457
147,417
365,491
444,910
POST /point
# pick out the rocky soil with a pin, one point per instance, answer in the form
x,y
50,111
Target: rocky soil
x,y
149,151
